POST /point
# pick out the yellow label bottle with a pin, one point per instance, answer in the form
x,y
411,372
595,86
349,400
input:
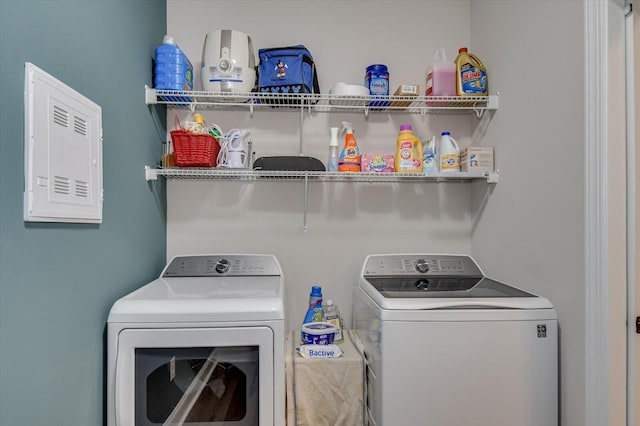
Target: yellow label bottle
x,y
408,157
471,75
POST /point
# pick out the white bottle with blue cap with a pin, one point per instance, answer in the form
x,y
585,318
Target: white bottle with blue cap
x,y
315,313
449,153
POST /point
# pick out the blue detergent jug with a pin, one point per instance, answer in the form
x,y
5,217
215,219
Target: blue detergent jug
x,y
172,69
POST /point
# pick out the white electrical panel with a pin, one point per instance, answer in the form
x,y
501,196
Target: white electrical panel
x,y
63,152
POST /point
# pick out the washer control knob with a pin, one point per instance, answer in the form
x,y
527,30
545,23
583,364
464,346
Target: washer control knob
x,y
222,266
421,266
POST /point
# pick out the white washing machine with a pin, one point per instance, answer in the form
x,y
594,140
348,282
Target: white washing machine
x,y
201,345
447,346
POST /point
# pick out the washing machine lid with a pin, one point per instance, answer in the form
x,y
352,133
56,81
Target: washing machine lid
x,y
427,281
208,288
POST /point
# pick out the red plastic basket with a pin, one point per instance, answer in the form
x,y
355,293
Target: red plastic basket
x,y
194,150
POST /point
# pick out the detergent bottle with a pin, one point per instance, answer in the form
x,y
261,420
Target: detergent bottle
x,y
315,313
430,158
350,156
441,78
471,75
408,151
449,153
172,68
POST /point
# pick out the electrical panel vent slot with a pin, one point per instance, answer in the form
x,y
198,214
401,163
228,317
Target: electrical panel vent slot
x,y
61,185
60,116
82,189
63,152
80,126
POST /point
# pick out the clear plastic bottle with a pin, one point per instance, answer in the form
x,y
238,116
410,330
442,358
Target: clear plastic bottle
x,y
332,164
441,78
332,315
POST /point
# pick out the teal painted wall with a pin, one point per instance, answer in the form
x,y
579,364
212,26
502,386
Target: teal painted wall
x,y
58,281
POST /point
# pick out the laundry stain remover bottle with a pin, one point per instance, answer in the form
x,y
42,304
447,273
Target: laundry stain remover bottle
x,y
349,160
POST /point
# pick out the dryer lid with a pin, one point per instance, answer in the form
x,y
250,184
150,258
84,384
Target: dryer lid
x,y
205,289
202,299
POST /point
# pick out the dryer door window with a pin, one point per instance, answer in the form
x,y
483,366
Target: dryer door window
x,y
209,377
196,385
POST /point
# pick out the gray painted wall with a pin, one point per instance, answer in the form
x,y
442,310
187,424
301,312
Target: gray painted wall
x,y
531,229
57,282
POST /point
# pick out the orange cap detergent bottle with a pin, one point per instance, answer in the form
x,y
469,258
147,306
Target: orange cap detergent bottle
x,y
349,160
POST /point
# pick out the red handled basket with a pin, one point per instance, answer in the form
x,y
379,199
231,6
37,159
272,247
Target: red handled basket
x,y
194,150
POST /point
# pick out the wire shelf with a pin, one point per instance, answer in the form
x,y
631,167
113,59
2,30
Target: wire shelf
x,y
312,176
319,102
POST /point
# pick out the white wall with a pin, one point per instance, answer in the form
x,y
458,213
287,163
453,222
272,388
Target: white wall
x,y
527,230
531,229
346,221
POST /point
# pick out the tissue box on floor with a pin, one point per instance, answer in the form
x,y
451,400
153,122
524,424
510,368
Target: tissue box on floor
x,y
476,159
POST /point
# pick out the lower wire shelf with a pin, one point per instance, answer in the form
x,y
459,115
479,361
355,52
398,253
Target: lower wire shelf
x,y
152,173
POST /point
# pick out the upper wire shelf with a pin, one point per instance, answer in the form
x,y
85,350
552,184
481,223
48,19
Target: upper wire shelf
x,y
193,100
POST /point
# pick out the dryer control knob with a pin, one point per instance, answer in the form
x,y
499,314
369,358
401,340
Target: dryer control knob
x,y
222,266
421,266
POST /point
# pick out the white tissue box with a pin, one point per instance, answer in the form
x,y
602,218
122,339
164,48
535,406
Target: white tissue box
x,y
476,159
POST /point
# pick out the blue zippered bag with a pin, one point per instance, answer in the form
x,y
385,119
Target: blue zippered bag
x,y
287,70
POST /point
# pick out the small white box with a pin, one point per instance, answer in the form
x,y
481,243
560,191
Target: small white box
x,y
476,159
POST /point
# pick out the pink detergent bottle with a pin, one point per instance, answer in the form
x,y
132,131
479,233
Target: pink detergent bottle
x,y
441,78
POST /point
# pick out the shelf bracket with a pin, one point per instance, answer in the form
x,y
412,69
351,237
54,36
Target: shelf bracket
x,y
492,177
300,149
150,173
479,111
306,202
251,109
150,97
366,113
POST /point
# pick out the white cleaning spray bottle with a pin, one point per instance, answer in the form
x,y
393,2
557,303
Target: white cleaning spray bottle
x,y
332,163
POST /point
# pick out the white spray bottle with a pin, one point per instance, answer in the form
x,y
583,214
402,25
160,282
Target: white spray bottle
x,y
332,163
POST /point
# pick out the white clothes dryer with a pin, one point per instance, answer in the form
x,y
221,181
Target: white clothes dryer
x,y
447,346
203,344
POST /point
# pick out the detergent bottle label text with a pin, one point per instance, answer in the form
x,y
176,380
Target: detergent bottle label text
x,y
474,80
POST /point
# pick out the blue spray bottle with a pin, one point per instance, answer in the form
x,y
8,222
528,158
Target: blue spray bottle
x,y
315,313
